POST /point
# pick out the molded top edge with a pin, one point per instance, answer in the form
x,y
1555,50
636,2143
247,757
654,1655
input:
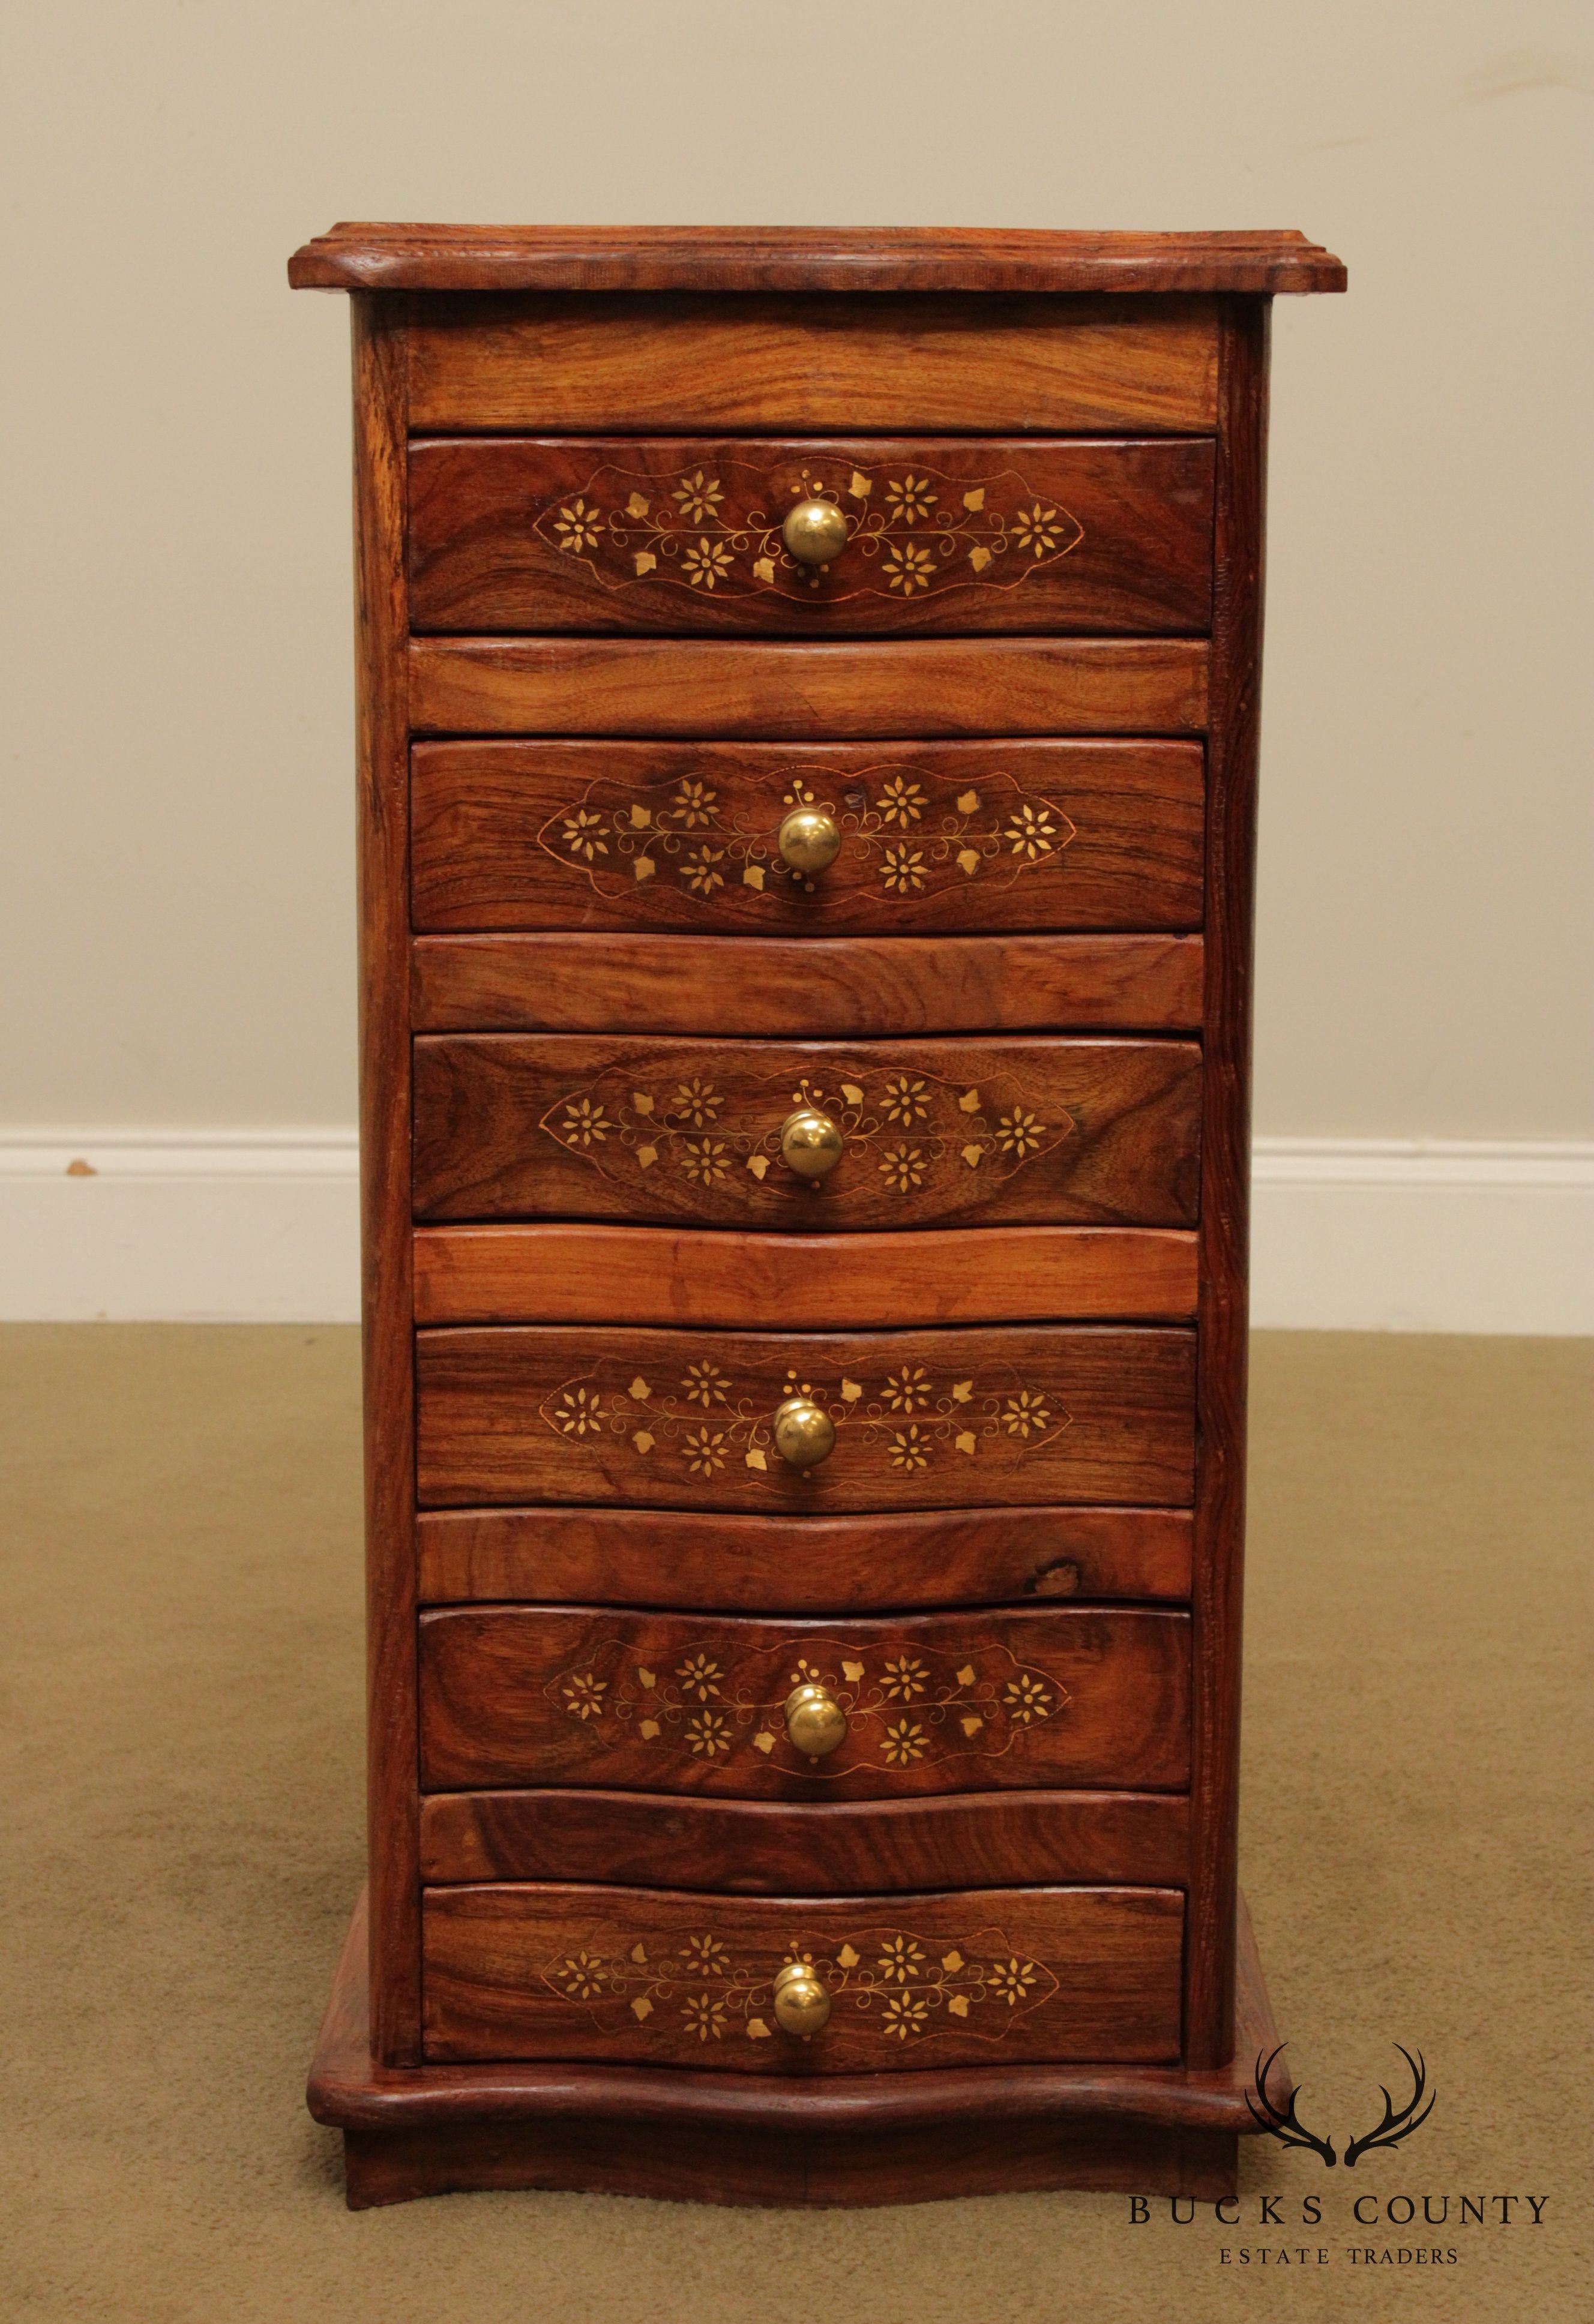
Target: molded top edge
x,y
392,257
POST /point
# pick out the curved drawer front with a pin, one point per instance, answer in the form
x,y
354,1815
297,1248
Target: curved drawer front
x,y
922,1419
683,534
931,837
1041,685
667,1703
754,1564
1035,1976
767,1848
836,988
561,1126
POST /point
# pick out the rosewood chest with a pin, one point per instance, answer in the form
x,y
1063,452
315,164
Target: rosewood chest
x,y
807,741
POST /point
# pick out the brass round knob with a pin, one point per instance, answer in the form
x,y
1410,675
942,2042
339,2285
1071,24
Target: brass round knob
x,y
815,531
802,2005
810,1143
804,1433
809,841
814,1721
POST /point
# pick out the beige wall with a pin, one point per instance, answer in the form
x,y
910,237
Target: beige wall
x,y
177,833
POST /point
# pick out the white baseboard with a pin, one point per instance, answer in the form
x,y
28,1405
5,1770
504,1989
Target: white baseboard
x,y
1349,1234
1355,1235
179,1226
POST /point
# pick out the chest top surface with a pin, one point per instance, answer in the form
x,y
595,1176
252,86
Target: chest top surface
x,y
359,256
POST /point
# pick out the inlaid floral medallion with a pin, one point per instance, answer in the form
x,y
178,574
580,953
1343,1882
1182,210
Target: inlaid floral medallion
x,y
911,1131
704,1422
906,1705
713,528
906,830
884,1981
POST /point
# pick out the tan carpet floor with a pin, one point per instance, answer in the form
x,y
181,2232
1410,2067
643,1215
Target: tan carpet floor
x,y
183,1842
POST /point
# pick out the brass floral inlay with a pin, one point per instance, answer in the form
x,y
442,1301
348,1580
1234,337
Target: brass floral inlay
x,y
911,833
905,1130
703,1423
904,1709
887,1982
715,531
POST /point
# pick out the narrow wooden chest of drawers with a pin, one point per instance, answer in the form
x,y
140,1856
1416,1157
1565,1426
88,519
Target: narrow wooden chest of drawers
x,y
807,738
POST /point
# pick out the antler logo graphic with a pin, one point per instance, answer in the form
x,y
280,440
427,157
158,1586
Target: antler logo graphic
x,y
1398,2123
1288,2129
1395,2124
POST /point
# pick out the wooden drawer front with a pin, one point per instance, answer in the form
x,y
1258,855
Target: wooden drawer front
x,y
885,688
684,534
557,1125
1015,1976
923,1419
595,362
937,1702
845,987
948,836
759,1564
567,1271
767,1848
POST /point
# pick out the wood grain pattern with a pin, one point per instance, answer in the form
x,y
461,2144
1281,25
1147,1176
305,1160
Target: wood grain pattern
x,y
706,687
1033,1975
1091,1414
565,1274
360,255
386,1249
732,2138
746,1847
1225,1204
935,837
810,1565
596,364
560,1125
841,985
682,534
1066,1696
